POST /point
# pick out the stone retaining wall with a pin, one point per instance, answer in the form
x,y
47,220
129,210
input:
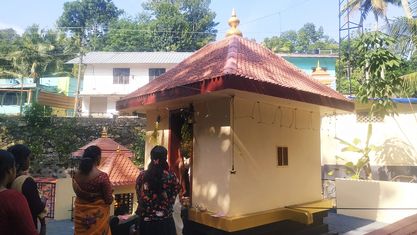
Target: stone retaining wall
x,y
52,139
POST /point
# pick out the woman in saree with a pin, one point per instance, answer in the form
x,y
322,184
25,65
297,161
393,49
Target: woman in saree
x,y
15,217
94,195
26,185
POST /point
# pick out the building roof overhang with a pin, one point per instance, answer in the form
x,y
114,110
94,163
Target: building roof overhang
x,y
239,64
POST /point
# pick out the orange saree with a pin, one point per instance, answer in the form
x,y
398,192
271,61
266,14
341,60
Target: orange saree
x,y
90,217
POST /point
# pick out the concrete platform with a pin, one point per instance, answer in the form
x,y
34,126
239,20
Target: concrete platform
x,y
338,224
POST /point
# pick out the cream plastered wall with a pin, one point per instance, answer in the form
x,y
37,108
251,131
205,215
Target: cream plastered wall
x,y
259,184
376,194
63,199
212,154
396,135
211,160
260,127
163,131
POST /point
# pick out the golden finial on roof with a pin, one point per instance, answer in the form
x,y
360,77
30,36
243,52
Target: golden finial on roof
x,y
233,22
319,70
118,149
104,132
322,75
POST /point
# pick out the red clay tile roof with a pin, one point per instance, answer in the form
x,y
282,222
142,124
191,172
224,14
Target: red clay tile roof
x,y
235,63
117,164
120,168
106,145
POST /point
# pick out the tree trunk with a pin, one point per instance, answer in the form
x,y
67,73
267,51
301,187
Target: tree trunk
x,y
407,10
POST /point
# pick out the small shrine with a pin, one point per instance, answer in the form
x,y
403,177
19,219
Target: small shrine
x,y
321,75
116,162
245,124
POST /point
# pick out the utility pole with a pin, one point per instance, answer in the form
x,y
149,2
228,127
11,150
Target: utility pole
x,y
346,25
21,95
77,92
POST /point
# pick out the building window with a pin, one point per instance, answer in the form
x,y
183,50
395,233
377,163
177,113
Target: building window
x,y
282,155
123,203
10,99
155,72
121,75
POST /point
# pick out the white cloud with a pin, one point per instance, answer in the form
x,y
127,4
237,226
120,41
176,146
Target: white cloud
x,y
18,29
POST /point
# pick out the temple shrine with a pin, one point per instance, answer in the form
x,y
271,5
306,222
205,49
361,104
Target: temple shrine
x,y
247,124
321,75
116,162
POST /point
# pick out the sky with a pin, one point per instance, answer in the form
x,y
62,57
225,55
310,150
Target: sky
x,y
258,18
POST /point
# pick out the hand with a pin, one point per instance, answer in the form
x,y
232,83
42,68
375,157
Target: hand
x,y
44,200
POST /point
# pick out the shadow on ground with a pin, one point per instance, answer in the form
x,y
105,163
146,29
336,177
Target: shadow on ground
x,y
341,224
59,227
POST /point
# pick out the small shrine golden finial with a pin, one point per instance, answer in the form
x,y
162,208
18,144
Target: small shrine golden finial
x,y
233,22
318,69
104,132
118,149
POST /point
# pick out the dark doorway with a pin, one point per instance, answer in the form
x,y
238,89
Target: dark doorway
x,y
181,147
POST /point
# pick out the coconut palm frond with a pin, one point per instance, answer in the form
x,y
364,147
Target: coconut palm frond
x,y
379,5
409,83
8,73
352,6
410,78
404,29
412,4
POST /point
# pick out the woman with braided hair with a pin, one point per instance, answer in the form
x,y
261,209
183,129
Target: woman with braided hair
x,y
94,195
157,188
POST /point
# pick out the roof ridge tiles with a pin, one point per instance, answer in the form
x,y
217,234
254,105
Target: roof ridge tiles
x,y
230,66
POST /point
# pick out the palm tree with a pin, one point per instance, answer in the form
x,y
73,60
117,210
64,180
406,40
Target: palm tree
x,y
404,29
377,7
407,8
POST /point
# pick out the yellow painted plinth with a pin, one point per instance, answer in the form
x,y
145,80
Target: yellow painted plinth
x,y
300,213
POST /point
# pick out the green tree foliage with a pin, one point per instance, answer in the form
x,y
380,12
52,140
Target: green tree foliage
x,y
361,168
128,35
279,44
88,20
377,7
179,25
37,53
380,67
308,39
343,84
308,35
8,43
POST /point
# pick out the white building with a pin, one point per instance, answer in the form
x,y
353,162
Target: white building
x,y
111,75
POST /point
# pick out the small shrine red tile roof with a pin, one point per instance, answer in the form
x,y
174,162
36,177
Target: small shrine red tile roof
x,y
107,146
120,168
115,161
235,63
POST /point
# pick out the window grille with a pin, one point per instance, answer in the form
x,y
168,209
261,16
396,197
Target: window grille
x,y
47,189
365,117
121,75
124,201
155,72
282,155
